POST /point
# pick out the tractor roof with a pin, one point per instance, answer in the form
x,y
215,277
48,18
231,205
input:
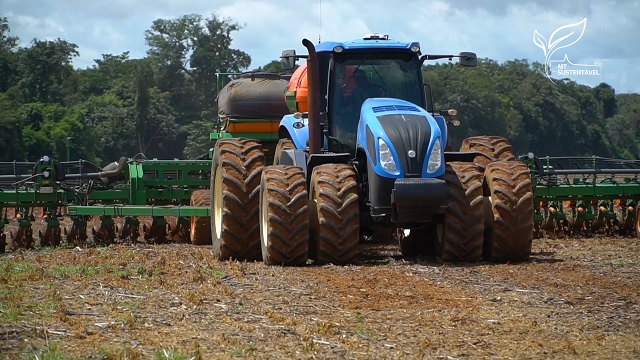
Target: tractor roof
x,y
370,41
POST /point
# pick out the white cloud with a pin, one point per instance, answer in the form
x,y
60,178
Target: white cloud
x,y
501,30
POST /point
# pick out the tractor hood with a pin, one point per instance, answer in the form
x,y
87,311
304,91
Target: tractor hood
x,y
399,139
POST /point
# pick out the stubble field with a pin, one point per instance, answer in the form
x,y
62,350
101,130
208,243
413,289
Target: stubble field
x,y
575,298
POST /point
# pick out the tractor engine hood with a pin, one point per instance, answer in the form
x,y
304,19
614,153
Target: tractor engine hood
x,y
400,139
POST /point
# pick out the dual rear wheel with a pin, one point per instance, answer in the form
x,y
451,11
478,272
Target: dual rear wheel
x,y
267,213
322,224
489,211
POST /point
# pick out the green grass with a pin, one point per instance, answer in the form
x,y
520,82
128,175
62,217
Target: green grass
x,y
82,270
7,315
208,271
17,269
52,352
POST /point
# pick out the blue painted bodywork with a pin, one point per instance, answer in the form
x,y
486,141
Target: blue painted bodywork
x,y
299,134
369,118
372,45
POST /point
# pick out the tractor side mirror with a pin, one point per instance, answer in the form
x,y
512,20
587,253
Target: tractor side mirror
x,y
288,59
468,59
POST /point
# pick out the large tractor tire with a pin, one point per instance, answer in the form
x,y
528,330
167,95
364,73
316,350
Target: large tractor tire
x,y
491,148
200,226
335,215
235,184
461,236
509,232
284,216
283,144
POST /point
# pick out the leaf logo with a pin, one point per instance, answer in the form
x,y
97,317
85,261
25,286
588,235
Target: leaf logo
x,y
563,37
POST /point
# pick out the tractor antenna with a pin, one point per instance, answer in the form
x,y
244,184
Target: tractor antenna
x,y
320,30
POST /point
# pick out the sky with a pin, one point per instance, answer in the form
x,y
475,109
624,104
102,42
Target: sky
x,y
589,41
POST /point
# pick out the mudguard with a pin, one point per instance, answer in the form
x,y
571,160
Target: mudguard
x,y
298,129
410,126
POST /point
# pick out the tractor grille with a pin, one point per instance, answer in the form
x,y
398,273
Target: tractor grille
x,y
378,109
408,132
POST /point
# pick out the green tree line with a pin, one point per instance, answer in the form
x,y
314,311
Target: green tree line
x,y
164,105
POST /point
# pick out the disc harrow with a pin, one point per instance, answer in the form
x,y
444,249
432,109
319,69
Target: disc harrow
x,y
157,232
130,230
52,235
77,234
76,203
585,196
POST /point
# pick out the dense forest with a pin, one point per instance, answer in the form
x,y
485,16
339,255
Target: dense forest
x,y
164,105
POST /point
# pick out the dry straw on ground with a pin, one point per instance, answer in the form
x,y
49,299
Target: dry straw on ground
x,y
575,299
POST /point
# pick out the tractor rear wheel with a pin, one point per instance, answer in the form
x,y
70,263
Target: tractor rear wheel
x,y
461,237
283,144
235,185
200,226
335,214
509,234
492,148
284,216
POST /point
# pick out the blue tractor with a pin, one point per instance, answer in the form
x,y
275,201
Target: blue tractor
x,y
366,160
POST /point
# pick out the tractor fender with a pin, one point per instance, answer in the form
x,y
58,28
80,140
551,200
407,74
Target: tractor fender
x,y
442,124
298,129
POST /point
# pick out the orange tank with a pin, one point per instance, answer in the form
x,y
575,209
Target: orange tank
x,y
298,90
297,93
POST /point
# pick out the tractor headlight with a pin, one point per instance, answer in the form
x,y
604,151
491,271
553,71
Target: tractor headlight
x,y
386,158
435,158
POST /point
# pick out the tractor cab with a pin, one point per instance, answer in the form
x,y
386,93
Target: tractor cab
x,y
357,76
349,73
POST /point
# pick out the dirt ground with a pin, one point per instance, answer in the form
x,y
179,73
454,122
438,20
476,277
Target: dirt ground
x,y
575,298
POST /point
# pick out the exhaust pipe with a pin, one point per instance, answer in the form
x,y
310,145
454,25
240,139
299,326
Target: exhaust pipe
x,y
313,80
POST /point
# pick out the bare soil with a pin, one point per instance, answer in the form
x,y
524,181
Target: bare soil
x,y
575,298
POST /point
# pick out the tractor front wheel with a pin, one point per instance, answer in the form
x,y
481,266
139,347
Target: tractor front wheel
x,y
491,148
283,144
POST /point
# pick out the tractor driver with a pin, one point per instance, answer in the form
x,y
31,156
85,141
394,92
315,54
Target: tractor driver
x,y
349,112
363,89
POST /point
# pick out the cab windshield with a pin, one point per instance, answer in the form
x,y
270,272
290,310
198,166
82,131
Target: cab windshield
x,y
357,78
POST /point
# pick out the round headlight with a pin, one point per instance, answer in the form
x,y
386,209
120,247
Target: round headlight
x,y
338,49
415,48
